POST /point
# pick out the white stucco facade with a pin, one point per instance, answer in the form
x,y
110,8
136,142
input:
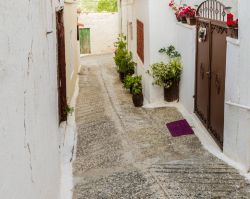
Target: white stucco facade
x,y
72,49
237,94
104,29
29,148
162,30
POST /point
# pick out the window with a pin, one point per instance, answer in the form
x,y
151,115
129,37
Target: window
x,y
140,40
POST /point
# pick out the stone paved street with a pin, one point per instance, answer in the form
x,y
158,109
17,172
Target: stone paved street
x,y
125,152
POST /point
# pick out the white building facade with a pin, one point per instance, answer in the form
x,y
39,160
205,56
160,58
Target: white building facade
x,y
161,30
29,122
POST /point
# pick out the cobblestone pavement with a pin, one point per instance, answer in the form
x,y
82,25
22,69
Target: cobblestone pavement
x,y
125,152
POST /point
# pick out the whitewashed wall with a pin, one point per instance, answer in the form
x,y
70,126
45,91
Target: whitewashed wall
x,y
29,153
104,28
141,12
237,110
185,42
72,49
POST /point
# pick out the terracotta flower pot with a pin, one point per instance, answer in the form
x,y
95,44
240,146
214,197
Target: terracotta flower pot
x,y
172,94
138,100
191,21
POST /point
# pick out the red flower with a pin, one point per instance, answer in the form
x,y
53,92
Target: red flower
x,y
230,16
231,22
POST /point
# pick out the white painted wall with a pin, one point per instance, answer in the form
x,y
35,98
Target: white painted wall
x,y
72,49
185,42
237,118
29,153
104,29
141,12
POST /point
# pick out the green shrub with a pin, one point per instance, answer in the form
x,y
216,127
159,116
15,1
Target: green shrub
x,y
166,74
130,81
123,58
107,6
137,87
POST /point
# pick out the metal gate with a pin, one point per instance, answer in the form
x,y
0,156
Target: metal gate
x,y
85,41
62,99
210,66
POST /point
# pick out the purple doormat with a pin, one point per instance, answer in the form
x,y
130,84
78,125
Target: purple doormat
x,y
179,128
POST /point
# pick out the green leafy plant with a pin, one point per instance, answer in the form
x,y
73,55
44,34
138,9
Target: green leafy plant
x,y
137,87
130,81
123,58
68,110
127,65
167,74
170,52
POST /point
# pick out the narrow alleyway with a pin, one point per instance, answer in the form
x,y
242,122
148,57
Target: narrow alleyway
x,y
125,152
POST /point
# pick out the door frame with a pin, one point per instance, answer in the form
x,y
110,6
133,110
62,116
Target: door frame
x,y
61,67
210,19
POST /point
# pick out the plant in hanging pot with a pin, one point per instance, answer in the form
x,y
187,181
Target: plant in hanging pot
x,y
168,75
137,95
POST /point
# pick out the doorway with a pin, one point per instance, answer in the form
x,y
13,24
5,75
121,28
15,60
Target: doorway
x,y
61,70
211,46
85,47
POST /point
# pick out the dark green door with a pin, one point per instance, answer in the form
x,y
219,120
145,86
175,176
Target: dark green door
x,y
85,41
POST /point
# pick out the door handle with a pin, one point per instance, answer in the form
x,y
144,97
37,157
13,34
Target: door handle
x,y
208,74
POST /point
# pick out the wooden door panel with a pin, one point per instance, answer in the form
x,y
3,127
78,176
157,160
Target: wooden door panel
x,y
202,78
217,96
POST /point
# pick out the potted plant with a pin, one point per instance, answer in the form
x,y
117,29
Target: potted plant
x,y
180,15
137,95
190,15
130,81
123,58
126,66
232,25
168,75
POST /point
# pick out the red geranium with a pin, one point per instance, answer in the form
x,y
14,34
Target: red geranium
x,y
231,22
189,12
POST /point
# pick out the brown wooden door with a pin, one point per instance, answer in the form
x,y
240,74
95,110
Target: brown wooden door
x,y
202,74
62,99
210,76
218,70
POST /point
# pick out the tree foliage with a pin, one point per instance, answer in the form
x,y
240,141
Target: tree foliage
x,y
107,6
